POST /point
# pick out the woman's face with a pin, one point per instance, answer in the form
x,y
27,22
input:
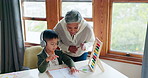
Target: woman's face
x,y
72,28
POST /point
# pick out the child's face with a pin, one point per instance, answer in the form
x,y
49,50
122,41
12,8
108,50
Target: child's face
x,y
52,44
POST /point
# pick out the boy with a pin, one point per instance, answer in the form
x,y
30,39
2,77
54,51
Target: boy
x,y
49,56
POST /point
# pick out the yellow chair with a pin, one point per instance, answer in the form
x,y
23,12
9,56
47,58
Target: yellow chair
x,y
30,56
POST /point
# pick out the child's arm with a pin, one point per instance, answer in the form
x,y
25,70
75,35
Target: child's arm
x,y
73,70
42,64
51,57
69,62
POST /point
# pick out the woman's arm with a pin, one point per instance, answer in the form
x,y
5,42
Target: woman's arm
x,y
89,42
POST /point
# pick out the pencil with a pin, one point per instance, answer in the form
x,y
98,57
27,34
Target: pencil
x,y
52,52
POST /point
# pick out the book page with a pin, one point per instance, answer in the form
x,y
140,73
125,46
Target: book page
x,y
10,75
62,73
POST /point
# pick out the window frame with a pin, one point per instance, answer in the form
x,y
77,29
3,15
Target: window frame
x,y
105,35
51,18
29,18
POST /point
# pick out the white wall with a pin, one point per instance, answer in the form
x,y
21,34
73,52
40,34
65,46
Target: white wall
x,y
130,70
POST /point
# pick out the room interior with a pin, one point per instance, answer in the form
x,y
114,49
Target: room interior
x,y
128,63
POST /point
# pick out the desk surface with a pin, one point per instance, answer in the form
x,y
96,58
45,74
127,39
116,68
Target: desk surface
x,y
108,73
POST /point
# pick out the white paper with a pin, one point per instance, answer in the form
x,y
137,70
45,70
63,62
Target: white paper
x,y
62,73
85,69
7,76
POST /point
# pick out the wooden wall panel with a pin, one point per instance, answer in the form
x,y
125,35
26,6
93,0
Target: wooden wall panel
x,y
52,13
100,18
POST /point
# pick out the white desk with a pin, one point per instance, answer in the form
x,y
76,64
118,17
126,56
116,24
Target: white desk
x,y
108,73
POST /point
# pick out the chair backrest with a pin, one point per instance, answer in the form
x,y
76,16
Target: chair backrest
x,y
30,56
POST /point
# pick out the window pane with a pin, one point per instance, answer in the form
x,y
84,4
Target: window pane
x,y
34,9
129,24
76,0
85,8
33,30
34,0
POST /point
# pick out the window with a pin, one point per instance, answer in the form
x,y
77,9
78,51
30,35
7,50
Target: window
x,y
34,9
34,15
83,6
129,24
86,11
121,26
33,30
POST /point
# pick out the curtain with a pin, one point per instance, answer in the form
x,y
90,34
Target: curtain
x,y
12,44
0,44
144,73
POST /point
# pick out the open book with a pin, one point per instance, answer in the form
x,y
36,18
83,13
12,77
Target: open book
x,y
61,73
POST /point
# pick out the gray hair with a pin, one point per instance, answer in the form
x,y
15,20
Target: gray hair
x,y
73,16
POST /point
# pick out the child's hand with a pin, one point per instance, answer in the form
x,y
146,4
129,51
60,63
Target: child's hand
x,y
51,57
73,70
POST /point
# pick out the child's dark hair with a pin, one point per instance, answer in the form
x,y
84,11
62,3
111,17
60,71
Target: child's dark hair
x,y
49,34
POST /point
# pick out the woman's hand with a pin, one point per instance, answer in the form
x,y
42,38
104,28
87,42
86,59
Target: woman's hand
x,y
82,46
73,49
73,70
51,57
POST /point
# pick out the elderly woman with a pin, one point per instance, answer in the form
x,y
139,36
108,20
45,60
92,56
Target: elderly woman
x,y
76,35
